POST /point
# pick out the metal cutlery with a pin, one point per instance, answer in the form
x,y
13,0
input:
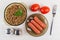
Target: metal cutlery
x,y
53,14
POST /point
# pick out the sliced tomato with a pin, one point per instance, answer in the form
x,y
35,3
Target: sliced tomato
x,y
44,9
34,7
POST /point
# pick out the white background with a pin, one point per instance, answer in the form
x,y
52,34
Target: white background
x,y
25,36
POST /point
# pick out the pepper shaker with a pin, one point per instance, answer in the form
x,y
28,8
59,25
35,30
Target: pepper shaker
x,y
8,31
17,32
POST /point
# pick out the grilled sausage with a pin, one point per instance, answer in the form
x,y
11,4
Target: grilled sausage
x,y
33,28
39,22
37,25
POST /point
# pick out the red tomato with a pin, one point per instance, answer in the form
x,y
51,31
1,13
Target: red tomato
x,y
44,9
34,7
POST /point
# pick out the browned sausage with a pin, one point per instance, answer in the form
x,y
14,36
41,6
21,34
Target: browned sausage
x,y
37,25
33,28
39,22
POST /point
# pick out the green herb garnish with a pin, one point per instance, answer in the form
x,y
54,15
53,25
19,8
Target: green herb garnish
x,y
18,13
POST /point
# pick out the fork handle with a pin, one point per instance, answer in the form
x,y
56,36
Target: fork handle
x,y
51,26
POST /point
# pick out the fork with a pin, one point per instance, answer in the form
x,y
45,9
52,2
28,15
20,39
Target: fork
x,y
53,13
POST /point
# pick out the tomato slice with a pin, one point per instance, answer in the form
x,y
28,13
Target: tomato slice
x,y
44,9
35,7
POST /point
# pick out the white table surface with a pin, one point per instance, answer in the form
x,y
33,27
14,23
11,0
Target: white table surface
x,y
25,36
